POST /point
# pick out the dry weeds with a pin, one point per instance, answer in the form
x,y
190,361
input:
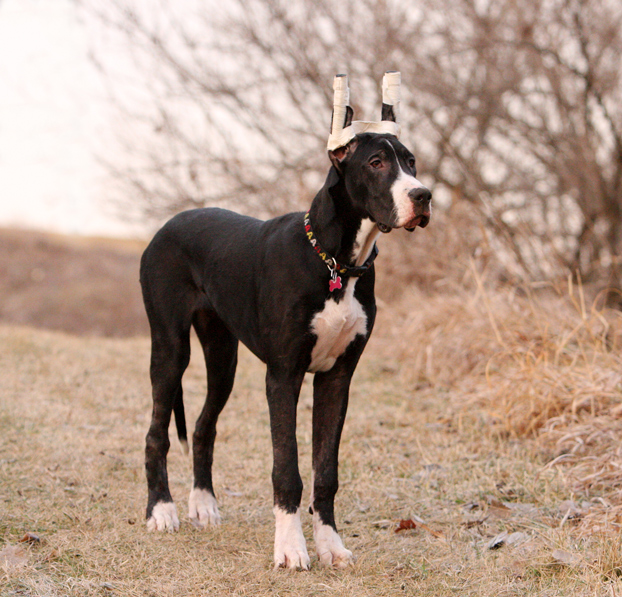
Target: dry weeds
x,y
528,362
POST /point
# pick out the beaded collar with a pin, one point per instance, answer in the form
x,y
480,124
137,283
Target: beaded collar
x,y
336,269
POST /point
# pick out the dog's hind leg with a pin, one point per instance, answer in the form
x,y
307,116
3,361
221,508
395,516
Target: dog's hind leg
x,y
220,348
170,354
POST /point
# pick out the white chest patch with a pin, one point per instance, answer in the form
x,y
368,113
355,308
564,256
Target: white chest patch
x,y
335,327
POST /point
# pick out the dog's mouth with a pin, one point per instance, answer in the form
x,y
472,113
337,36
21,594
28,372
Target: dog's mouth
x,y
422,221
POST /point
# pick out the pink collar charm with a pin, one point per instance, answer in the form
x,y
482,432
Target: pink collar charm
x,y
334,284
335,268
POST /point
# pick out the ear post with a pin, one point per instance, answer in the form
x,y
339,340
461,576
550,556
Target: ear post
x,y
391,83
343,129
341,99
341,133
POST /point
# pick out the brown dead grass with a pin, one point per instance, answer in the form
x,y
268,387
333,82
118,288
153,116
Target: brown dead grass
x,y
476,410
71,451
536,363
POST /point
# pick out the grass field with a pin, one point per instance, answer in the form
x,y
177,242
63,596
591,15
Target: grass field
x,y
488,417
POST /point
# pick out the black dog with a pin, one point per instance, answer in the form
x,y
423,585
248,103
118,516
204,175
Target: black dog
x,y
298,291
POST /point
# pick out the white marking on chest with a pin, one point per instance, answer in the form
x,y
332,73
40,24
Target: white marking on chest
x,y
335,327
364,242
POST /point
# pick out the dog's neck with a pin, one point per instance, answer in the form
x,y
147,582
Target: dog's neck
x,y
340,229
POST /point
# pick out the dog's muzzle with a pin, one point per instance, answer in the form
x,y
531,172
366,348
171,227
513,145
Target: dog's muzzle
x,y
421,198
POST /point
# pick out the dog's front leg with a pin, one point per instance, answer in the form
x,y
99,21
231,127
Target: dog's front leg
x,y
290,550
330,402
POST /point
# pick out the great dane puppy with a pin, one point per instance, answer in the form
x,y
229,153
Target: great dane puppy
x,y
298,291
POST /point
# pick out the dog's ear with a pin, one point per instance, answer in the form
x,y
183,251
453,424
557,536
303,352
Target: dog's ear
x,y
347,119
349,115
388,113
337,156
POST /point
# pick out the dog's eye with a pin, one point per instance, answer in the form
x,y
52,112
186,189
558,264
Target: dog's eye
x,y
376,163
411,163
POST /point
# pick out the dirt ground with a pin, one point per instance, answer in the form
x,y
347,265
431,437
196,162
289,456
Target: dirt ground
x,y
438,495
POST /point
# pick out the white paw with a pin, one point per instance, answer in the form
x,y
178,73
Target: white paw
x,y
329,546
163,518
290,549
203,508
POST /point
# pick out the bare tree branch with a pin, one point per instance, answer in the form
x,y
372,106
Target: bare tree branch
x,y
513,107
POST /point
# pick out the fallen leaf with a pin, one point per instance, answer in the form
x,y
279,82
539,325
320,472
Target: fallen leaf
x,y
30,538
565,557
404,525
497,541
13,556
517,538
506,538
437,534
497,508
568,509
469,524
493,502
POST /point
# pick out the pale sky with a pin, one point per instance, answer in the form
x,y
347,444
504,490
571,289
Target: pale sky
x,y
53,122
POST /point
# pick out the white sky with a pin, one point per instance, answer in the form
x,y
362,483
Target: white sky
x,y
53,119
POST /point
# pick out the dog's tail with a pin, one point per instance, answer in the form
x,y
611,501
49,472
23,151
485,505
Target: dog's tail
x,y
180,423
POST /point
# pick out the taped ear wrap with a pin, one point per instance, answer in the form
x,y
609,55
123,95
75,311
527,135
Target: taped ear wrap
x,y
341,99
341,153
343,129
391,83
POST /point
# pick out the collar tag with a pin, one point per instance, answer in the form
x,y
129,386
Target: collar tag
x,y
335,280
335,268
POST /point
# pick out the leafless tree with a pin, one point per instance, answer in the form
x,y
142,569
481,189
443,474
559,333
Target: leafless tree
x,y
513,107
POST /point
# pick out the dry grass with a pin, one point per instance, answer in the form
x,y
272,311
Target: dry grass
x,y
539,364
74,413
474,412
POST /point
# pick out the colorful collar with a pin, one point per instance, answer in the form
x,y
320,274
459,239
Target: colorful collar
x,y
335,268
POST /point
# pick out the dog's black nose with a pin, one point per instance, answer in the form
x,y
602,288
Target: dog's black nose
x,y
420,195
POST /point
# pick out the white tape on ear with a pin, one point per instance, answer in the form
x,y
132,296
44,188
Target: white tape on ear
x,y
341,99
340,136
391,83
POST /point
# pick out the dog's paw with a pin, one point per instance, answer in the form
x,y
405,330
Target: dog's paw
x,y
290,549
163,518
203,508
329,546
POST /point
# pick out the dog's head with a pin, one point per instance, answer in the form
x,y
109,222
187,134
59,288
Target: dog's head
x,y
379,174
377,170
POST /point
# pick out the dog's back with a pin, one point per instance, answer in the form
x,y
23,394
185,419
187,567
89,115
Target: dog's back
x,y
245,270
